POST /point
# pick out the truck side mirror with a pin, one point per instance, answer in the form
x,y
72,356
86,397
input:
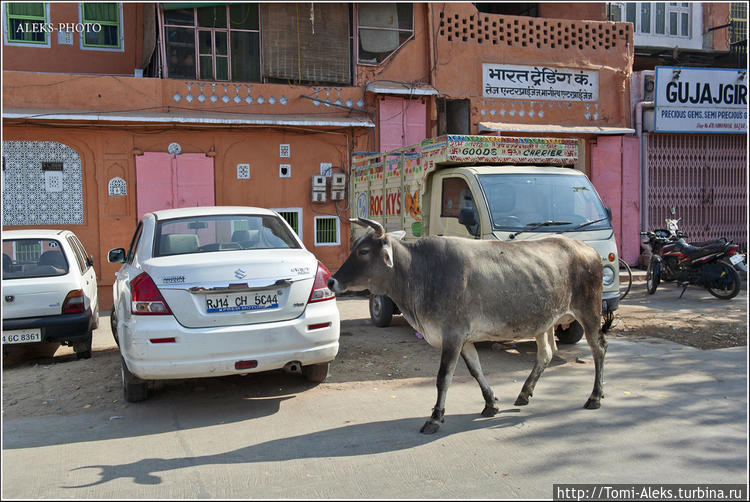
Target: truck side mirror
x,y
466,217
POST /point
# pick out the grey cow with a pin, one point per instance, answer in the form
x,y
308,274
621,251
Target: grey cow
x,y
457,292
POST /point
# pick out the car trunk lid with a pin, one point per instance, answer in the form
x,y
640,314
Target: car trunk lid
x,y
231,288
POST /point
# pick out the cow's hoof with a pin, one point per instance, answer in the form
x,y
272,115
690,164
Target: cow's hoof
x,y
521,401
490,411
429,427
592,404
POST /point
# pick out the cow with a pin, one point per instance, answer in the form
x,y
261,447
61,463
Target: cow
x,y
457,291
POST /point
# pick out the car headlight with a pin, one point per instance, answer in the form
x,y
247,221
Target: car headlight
x,y
609,276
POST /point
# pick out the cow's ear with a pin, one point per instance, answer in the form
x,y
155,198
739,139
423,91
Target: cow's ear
x,y
398,234
387,253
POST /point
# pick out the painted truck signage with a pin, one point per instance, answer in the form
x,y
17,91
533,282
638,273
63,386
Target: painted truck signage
x,y
388,186
700,100
539,82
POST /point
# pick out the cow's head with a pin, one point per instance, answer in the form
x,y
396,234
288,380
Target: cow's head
x,y
370,263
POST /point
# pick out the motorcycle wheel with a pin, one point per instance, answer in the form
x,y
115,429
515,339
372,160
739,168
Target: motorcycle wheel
x,y
652,278
733,287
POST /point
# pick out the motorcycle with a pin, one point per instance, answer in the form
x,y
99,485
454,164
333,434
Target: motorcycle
x,y
709,264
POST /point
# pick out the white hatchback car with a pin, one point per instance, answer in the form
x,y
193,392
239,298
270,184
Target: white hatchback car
x,y
213,291
49,290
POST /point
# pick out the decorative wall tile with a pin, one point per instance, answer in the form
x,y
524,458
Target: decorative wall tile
x,y
26,200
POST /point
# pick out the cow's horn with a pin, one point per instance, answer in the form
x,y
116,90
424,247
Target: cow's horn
x,y
379,230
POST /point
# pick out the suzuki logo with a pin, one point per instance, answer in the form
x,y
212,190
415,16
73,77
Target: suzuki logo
x,y
239,273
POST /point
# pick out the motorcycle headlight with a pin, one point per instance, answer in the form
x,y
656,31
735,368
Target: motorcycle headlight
x,y
609,276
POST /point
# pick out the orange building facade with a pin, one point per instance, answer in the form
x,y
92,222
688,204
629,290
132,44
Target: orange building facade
x,y
106,114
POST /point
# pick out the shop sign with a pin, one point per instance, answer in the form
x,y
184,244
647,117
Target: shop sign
x,y
700,100
539,83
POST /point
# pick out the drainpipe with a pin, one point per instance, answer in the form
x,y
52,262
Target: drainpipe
x,y
430,42
639,109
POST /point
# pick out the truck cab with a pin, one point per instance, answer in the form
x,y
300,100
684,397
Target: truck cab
x,y
486,187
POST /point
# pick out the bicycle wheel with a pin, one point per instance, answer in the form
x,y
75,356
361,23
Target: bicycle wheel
x,y
629,273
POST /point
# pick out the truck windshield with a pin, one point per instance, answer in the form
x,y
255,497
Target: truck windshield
x,y
517,201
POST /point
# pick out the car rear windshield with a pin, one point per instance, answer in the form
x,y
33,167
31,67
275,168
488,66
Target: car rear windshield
x,y
222,233
25,258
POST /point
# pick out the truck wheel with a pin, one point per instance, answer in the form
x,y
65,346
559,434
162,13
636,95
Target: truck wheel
x,y
571,335
83,348
133,388
316,372
381,310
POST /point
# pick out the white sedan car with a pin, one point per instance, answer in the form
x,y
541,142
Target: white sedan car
x,y
213,291
49,290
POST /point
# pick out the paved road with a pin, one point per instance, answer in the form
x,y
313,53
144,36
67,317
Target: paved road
x,y
672,414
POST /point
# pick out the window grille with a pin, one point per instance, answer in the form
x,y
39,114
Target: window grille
x,y
27,251
293,216
327,231
738,20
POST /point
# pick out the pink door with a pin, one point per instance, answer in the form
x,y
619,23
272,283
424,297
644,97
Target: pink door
x,y
401,122
165,181
615,173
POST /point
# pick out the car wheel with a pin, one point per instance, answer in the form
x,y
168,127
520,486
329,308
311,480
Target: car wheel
x,y
316,372
133,388
113,326
381,310
571,335
83,348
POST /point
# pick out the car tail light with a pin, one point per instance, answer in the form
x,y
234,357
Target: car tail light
x,y
73,303
146,298
320,291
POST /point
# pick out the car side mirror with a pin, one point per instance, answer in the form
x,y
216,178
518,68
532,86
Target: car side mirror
x,y
116,255
90,260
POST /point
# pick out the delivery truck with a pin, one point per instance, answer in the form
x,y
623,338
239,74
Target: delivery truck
x,y
485,187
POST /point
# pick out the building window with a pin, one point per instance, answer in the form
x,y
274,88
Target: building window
x,y
738,20
103,26
220,42
327,231
382,28
26,24
671,19
43,184
293,216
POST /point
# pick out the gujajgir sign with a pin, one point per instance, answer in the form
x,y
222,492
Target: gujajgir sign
x,y
700,100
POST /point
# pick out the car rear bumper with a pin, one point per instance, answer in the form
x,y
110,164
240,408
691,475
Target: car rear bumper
x,y
205,352
56,328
